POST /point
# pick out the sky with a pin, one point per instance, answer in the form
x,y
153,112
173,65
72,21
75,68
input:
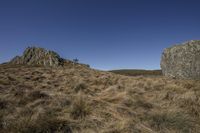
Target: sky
x,y
106,34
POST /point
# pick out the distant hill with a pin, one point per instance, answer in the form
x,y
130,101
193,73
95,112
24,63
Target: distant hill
x,y
138,72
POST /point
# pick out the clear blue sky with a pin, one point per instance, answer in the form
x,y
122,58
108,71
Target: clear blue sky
x,y
107,34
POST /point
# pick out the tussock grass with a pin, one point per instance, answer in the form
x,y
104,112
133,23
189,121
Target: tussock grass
x,y
80,108
80,86
191,105
4,82
178,121
81,100
37,94
43,124
143,104
3,104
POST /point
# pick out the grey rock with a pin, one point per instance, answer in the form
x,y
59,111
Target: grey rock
x,y
38,56
182,61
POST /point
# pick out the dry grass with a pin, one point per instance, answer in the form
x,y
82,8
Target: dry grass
x,y
81,100
172,121
80,108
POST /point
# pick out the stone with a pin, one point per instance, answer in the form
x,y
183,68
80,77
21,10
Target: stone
x,y
182,61
38,56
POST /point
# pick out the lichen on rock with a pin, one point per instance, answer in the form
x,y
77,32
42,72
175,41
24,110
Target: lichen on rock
x,y
182,61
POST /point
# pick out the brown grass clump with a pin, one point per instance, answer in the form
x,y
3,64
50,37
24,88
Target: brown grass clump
x,y
35,99
4,82
3,104
169,121
80,86
45,123
143,104
37,94
80,108
191,103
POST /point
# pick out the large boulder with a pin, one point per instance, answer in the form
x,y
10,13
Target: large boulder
x,y
38,56
182,61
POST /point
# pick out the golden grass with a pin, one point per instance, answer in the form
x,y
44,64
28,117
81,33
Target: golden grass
x,y
81,100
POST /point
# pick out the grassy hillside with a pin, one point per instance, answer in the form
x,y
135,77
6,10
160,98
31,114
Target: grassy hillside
x,y
82,100
135,72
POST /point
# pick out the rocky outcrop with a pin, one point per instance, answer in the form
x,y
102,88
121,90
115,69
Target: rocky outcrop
x,y
38,56
182,61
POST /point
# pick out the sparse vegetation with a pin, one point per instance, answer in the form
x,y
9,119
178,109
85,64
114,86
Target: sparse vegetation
x,y
81,100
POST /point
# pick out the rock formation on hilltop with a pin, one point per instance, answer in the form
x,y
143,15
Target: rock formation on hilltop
x,y
38,56
182,61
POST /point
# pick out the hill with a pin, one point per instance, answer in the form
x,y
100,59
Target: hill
x,y
39,99
136,72
73,98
